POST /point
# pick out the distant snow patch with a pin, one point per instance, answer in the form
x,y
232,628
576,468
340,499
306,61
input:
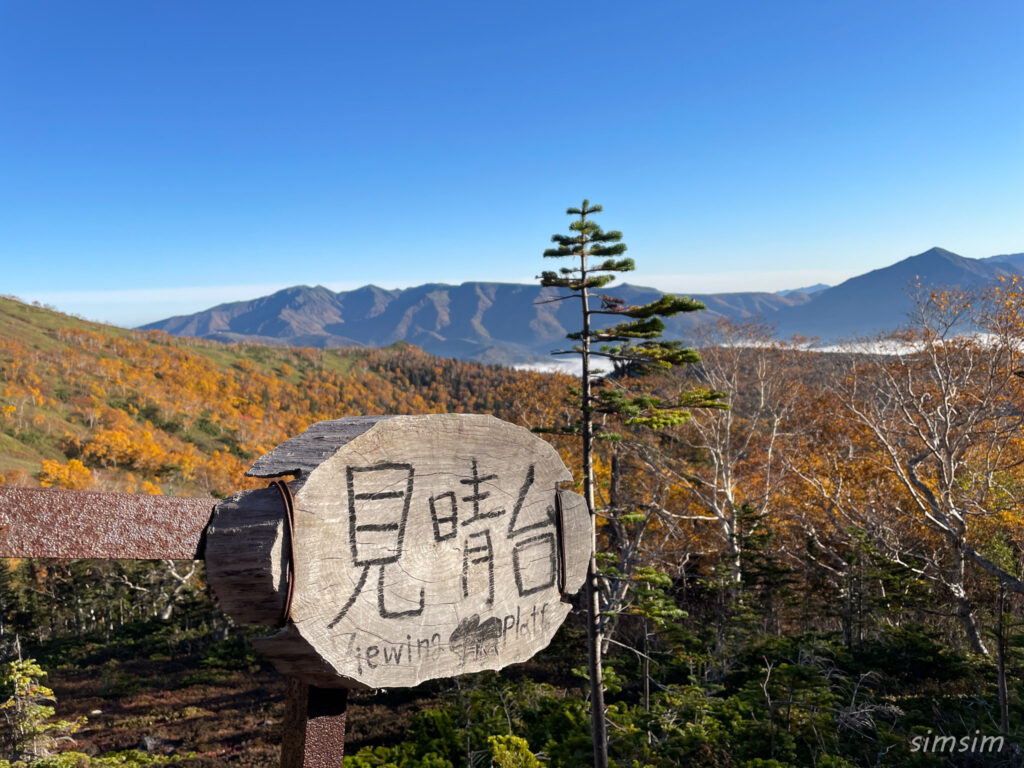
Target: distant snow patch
x,y
570,365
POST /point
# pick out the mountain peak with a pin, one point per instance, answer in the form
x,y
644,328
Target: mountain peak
x,y
303,290
937,253
808,289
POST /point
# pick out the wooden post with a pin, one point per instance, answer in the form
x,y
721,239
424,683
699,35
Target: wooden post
x,y
314,726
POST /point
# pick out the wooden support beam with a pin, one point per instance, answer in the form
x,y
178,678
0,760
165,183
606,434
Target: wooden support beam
x,y
44,522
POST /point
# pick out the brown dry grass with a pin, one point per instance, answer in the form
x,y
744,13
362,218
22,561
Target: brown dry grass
x,y
235,721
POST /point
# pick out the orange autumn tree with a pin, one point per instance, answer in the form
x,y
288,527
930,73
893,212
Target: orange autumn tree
x,y
73,475
928,462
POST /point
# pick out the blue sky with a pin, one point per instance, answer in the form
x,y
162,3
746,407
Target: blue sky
x,y
161,157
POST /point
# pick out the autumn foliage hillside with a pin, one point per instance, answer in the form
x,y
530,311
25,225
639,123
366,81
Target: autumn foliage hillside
x,y
84,405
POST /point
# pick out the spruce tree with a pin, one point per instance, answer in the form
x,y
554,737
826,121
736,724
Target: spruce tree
x,y
634,347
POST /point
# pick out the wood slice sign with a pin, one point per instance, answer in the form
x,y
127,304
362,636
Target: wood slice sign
x,y
422,547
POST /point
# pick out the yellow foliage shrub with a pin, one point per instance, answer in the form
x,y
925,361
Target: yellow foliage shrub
x,y
73,475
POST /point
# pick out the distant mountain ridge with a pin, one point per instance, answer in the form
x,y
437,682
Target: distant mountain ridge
x,y
880,300
1017,259
808,289
488,322
515,323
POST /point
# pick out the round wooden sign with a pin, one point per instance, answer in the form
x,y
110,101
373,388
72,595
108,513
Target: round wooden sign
x,y
424,547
